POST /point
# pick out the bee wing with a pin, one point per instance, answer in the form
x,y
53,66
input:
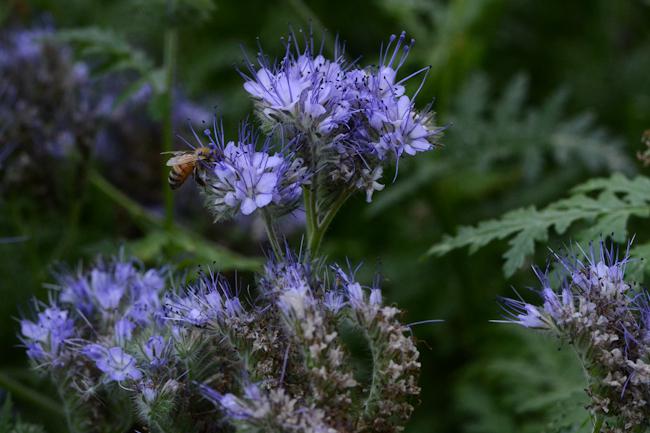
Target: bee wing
x,y
184,158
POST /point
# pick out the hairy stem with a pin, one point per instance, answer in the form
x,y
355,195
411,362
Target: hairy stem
x,y
271,234
171,42
310,210
375,380
598,424
321,226
66,410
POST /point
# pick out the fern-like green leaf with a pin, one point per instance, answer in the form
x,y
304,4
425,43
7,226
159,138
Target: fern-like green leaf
x,y
606,203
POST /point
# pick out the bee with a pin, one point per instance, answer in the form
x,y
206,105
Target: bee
x,y
185,163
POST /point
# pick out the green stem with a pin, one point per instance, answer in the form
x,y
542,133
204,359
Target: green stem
x,y
272,235
66,409
310,210
371,400
598,425
140,215
25,393
171,42
321,226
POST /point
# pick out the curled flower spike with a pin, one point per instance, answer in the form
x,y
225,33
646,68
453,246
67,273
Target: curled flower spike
x,y
295,367
595,309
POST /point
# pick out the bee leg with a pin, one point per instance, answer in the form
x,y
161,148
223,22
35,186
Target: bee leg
x,y
198,178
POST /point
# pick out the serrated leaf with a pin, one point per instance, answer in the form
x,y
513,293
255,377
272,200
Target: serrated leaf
x,y
639,266
522,246
618,199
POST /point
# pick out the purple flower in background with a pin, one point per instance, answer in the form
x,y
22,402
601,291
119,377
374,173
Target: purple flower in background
x,y
48,103
108,292
114,362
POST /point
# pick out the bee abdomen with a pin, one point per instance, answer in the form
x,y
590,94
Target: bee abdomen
x,y
177,176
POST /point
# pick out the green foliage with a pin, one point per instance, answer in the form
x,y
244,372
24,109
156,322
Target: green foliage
x,y
449,35
108,49
605,203
13,424
503,138
178,12
538,390
188,248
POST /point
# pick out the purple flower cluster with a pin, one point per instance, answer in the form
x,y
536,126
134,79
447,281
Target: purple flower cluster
x,y
346,121
240,178
47,106
607,319
110,315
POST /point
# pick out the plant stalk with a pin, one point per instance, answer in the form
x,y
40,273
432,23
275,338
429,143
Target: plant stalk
x,y
171,45
598,425
321,226
310,210
27,394
272,234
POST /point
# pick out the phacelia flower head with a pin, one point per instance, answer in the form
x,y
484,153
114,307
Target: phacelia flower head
x,y
104,333
595,278
47,103
304,92
240,177
115,292
346,121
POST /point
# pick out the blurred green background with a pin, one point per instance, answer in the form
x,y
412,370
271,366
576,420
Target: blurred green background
x,y
538,96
